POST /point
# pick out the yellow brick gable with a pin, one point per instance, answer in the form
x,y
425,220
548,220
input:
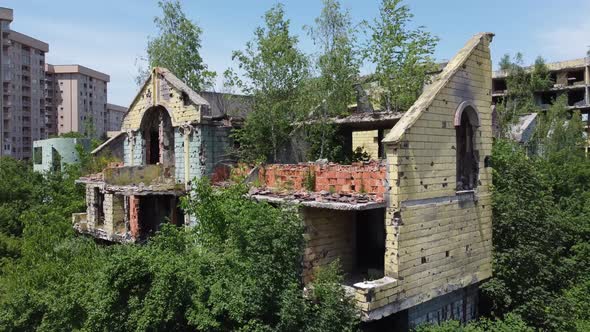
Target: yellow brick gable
x,y
438,239
162,88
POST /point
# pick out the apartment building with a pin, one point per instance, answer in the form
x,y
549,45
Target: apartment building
x,y
115,115
22,119
570,78
76,99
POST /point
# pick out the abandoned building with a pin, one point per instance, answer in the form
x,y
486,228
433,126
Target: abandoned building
x,y
169,137
412,227
570,78
53,154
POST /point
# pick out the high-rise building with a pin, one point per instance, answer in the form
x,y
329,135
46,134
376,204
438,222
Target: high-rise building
x,y
115,114
76,99
22,73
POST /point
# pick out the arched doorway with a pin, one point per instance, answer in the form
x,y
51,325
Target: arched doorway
x,y
158,134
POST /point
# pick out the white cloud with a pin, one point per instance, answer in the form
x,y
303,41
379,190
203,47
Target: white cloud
x,y
568,41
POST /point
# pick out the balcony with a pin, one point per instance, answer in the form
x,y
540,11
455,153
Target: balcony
x,y
137,179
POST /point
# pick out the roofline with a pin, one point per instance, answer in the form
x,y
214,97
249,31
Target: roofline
x,y
430,92
28,40
551,66
76,69
6,14
117,108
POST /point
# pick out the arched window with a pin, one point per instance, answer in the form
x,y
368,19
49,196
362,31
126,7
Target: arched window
x,y
466,124
158,133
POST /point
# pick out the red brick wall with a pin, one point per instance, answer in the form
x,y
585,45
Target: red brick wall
x,y
357,178
134,216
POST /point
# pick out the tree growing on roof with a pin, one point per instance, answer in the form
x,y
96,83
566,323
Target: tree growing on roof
x,y
403,56
337,68
273,71
177,48
521,83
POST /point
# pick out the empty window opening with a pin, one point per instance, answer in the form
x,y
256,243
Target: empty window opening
x,y
466,122
98,207
55,160
547,98
157,210
370,244
575,77
576,97
158,134
38,155
499,85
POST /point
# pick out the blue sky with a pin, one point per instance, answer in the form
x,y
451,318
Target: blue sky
x,y
109,35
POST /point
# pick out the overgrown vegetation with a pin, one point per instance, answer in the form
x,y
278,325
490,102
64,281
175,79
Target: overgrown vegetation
x,y
273,70
177,48
237,270
403,55
290,87
521,85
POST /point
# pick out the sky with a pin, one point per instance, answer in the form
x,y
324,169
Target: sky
x,y
111,35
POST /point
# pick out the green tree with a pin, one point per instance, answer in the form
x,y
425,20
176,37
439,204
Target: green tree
x,y
510,323
521,85
541,233
403,56
560,132
338,68
177,48
238,269
273,72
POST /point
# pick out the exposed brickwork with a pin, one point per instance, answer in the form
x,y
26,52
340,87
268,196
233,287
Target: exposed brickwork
x,y
134,216
329,235
357,178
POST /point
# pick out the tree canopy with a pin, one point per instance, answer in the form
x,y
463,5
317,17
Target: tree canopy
x,y
177,47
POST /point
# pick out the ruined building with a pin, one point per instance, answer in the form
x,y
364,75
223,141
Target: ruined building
x,y
412,228
570,78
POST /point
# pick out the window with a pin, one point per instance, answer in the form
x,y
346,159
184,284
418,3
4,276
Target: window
x,y
466,123
38,155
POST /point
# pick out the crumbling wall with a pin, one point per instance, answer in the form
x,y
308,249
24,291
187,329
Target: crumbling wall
x,y
114,211
369,140
439,239
133,150
196,158
216,145
91,200
369,178
163,89
329,234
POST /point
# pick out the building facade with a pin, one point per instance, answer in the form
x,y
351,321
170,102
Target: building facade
x,y
169,138
77,99
53,154
22,73
412,228
570,78
115,115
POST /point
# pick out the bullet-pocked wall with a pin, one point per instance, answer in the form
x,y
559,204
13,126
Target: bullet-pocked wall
x,y
438,229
